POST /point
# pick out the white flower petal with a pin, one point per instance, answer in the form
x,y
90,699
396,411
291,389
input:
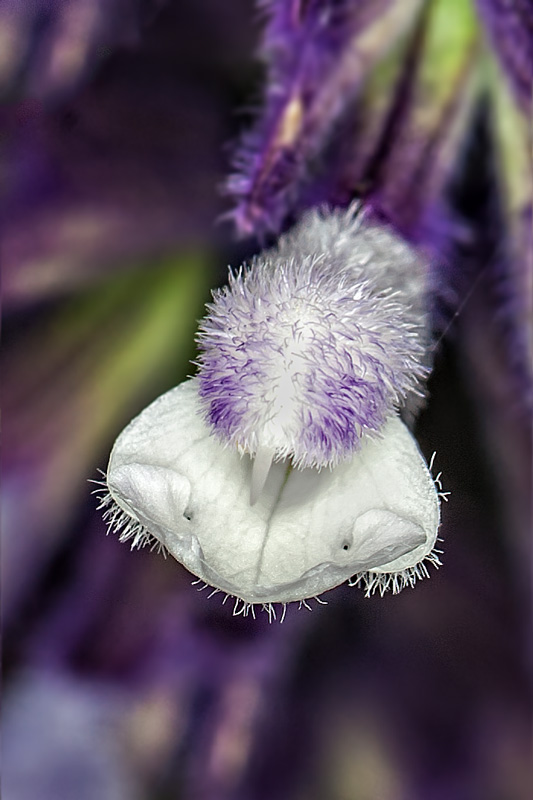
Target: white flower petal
x,y
308,531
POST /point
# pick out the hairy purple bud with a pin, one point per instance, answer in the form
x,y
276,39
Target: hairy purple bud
x,y
316,343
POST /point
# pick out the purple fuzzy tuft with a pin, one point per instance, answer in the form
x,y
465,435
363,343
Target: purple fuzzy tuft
x,y
317,342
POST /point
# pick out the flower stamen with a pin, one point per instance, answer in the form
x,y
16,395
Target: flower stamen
x,y
260,470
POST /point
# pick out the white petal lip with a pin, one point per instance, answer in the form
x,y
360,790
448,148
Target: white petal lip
x,y
305,534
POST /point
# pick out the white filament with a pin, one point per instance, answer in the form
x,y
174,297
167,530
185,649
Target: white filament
x,y
260,469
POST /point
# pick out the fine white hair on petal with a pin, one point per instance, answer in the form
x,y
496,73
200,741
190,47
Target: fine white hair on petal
x,y
316,343
374,516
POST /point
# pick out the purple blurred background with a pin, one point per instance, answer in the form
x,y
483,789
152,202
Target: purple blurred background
x,y
121,123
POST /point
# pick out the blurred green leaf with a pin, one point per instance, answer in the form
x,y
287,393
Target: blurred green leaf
x,y
75,378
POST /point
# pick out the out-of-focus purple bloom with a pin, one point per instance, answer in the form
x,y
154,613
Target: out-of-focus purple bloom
x,y
509,25
52,47
318,55
391,143
94,181
74,732
84,199
512,264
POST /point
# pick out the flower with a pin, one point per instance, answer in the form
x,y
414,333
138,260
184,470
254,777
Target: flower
x,y
306,358
111,193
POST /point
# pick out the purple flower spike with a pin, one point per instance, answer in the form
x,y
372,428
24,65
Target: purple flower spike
x,y
315,344
318,54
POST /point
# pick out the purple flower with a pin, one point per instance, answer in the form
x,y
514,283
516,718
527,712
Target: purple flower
x,y
54,47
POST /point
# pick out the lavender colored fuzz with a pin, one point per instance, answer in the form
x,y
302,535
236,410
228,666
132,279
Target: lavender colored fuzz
x,y
317,342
